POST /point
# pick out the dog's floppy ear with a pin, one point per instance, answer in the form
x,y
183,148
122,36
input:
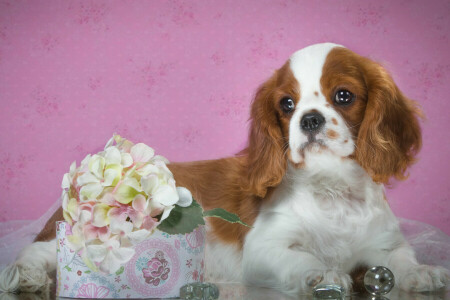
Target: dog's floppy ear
x,y
266,160
389,137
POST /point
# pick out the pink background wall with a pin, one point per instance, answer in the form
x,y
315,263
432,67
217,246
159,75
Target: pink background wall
x,y
179,76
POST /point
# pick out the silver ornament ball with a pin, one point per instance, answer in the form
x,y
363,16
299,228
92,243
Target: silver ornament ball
x,y
379,281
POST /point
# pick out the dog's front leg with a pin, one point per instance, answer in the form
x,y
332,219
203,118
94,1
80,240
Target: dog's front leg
x,y
409,274
295,272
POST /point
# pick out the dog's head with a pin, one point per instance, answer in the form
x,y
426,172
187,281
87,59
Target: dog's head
x,y
328,99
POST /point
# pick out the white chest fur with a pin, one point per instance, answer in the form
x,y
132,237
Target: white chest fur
x,y
331,209
321,222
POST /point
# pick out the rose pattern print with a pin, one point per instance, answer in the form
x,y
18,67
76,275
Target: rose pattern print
x,y
166,270
157,269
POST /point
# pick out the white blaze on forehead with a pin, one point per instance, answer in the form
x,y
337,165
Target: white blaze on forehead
x,y
307,64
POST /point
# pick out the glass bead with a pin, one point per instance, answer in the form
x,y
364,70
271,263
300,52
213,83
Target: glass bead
x,y
199,291
328,291
379,281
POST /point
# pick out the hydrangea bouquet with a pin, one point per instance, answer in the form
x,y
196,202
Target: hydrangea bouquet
x,y
116,198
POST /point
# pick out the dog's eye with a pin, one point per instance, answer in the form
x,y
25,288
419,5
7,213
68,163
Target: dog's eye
x,y
287,104
344,97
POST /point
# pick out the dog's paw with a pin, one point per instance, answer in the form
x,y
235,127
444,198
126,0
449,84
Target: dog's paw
x,y
424,278
315,277
32,278
9,279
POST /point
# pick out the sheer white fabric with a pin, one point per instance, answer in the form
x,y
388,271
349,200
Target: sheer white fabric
x,y
431,244
15,235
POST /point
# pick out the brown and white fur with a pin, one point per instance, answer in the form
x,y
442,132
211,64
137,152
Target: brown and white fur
x,y
314,197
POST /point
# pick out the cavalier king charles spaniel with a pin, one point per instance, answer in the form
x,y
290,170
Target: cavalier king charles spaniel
x,y
328,129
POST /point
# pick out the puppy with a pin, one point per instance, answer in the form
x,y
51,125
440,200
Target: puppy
x,y
328,129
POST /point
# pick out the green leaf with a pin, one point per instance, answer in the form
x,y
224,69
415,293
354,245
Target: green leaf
x,y
183,219
224,215
120,271
87,272
68,268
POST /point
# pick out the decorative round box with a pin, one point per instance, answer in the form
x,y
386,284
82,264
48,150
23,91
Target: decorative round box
x,y
161,265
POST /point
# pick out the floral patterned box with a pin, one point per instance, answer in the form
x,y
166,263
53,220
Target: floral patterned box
x,y
161,265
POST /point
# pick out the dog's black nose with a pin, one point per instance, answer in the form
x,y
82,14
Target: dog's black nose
x,y
312,122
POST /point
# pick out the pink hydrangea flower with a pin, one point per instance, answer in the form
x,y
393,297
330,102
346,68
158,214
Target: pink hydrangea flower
x,y
115,199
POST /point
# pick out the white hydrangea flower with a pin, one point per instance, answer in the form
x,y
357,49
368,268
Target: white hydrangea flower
x,y
115,199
